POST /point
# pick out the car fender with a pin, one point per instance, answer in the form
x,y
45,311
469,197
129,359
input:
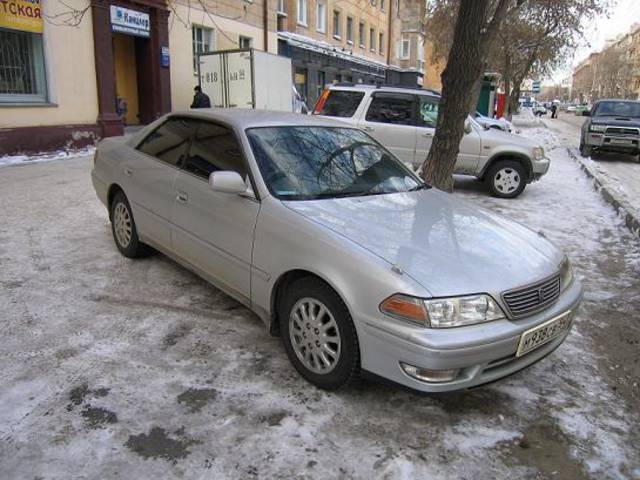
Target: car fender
x,y
511,152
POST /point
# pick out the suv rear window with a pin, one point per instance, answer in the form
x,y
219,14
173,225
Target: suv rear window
x,y
338,103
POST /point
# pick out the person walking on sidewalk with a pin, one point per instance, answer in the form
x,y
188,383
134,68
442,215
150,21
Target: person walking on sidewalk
x,y
554,110
200,100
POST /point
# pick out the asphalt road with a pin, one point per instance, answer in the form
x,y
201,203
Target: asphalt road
x,y
113,368
624,169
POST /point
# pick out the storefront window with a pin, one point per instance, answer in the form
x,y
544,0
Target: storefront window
x,y
22,73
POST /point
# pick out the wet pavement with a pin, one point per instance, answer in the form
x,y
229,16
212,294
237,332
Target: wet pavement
x,y
113,368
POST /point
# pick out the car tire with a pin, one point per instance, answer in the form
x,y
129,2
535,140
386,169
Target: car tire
x,y
123,228
506,178
585,150
323,348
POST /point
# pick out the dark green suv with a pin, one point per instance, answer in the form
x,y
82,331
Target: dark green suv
x,y
613,126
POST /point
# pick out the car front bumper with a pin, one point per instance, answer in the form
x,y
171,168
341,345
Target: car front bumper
x,y
482,353
614,143
540,167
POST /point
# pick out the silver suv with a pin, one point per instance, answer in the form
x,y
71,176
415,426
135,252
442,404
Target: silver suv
x,y
404,120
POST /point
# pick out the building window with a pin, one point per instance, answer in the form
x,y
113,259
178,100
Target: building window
x,y
321,16
397,8
361,34
281,7
336,24
381,4
22,78
372,39
350,30
302,12
381,42
245,42
202,40
405,49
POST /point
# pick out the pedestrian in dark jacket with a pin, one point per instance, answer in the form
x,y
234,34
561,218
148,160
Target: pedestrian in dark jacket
x,y
554,109
200,100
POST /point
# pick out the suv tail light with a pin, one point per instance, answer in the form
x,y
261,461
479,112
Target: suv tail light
x,y
321,101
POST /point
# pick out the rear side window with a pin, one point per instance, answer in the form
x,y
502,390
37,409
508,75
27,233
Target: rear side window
x,y
391,108
427,111
214,148
339,103
170,141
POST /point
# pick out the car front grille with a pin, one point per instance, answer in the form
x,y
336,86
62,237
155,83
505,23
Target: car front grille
x,y
526,300
622,131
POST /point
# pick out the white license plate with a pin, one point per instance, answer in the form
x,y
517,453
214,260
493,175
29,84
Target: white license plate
x,y
538,336
620,141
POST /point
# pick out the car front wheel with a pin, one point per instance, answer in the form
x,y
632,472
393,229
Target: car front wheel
x,y
585,150
123,227
507,179
318,334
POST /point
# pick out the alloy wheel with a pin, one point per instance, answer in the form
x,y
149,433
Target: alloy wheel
x,y
314,335
122,225
506,180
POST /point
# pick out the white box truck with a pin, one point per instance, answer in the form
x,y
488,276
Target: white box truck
x,y
246,78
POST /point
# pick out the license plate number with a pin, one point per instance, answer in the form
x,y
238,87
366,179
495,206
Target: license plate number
x,y
620,141
538,336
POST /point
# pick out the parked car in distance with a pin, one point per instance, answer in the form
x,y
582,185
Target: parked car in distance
x,y
613,126
580,109
539,110
571,108
499,123
338,247
404,121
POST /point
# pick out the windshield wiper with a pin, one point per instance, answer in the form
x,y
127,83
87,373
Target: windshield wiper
x,y
421,186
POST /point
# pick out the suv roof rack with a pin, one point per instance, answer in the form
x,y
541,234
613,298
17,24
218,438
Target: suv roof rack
x,y
385,85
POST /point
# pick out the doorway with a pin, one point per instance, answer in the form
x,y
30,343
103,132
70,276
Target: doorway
x,y
126,73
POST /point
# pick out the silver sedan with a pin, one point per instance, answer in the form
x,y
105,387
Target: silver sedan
x,y
341,250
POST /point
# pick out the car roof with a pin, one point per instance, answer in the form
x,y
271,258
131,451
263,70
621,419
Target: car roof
x,y
359,87
243,118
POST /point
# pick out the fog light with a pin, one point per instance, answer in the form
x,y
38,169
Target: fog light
x,y
431,376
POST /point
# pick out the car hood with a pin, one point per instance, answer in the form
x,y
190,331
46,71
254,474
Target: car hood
x,y
500,137
616,121
447,245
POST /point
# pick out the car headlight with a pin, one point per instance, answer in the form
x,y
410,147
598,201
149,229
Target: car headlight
x,y
566,274
597,128
538,153
443,312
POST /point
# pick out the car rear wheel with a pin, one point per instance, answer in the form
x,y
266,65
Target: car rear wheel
x,y
507,178
318,334
123,227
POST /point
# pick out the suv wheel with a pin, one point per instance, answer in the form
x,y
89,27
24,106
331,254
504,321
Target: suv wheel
x,y
507,178
123,227
585,150
318,334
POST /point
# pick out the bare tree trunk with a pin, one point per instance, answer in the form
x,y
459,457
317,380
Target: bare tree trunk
x,y
464,67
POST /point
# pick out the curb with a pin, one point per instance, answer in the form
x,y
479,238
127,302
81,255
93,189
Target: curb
x,y
629,214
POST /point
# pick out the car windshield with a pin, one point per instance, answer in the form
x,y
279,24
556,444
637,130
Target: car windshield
x,y
618,109
307,163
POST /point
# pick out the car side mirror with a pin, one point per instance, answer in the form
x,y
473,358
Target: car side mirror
x,y
227,182
586,113
467,127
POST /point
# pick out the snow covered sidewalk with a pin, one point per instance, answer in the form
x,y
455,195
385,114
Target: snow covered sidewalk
x,y
111,367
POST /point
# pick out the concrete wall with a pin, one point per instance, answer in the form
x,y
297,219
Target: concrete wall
x,y
226,34
71,77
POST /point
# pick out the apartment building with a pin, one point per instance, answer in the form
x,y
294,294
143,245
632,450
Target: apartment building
x,y
75,71
361,41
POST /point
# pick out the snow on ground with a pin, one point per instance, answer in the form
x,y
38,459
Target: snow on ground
x,y
139,369
9,160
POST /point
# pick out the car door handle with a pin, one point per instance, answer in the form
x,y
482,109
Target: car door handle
x,y
369,129
128,172
182,197
427,134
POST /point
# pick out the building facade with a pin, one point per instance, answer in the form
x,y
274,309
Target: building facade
x,y
74,72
